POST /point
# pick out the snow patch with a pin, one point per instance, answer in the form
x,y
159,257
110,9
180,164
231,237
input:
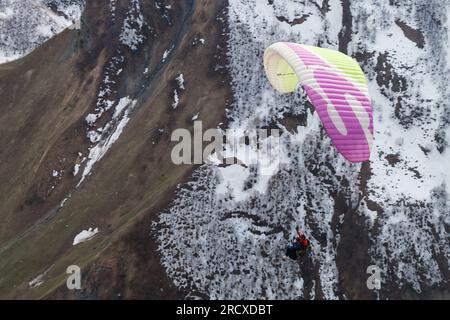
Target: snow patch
x,y
132,29
84,236
110,134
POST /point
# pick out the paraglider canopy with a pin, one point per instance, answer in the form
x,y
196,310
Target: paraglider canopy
x,y
337,88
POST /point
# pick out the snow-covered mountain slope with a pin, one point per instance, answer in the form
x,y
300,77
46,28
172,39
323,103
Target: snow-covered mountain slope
x,y
25,24
225,233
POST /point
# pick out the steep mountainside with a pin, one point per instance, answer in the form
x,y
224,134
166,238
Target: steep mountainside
x,y
85,129
104,92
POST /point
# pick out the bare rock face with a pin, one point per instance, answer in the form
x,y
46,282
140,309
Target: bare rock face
x,y
85,126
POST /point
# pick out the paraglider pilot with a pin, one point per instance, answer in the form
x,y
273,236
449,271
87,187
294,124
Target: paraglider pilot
x,y
299,245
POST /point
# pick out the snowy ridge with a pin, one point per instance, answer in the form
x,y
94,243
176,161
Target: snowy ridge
x,y
26,24
234,238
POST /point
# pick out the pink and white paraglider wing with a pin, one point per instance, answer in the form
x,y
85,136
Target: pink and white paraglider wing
x,y
336,87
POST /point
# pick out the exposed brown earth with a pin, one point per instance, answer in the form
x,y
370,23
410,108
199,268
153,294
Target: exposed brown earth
x,y
47,96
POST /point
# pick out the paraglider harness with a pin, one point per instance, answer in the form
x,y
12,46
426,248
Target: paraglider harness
x,y
299,245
